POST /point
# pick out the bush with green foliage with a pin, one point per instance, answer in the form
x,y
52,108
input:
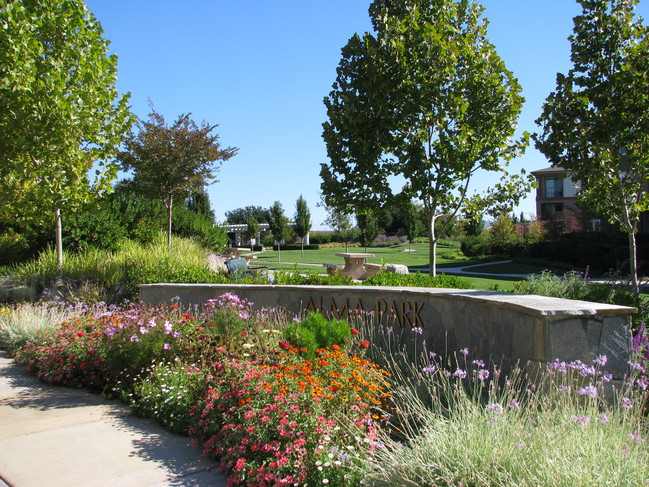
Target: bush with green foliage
x,y
295,278
316,332
320,237
417,280
190,224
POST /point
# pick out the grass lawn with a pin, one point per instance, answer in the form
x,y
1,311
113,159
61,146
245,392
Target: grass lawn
x,y
313,260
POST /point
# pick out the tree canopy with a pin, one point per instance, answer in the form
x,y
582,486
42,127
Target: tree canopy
x,y
61,113
595,125
241,215
428,100
172,161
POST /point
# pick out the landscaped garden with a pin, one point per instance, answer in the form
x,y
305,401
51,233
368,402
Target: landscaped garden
x,y
279,399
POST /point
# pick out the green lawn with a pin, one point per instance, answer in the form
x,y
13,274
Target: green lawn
x,y
418,258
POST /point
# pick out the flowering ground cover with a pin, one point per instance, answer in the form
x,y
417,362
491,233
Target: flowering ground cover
x,y
285,400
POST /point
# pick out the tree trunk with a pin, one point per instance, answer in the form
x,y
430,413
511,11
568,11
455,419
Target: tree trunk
x,y
59,239
432,249
169,210
302,252
279,252
633,261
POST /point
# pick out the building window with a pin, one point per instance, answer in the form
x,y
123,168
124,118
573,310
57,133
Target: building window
x,y
554,187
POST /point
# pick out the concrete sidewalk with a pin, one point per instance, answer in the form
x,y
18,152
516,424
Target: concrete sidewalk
x,y
57,436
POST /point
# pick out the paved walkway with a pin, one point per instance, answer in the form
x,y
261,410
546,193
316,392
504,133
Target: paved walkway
x,y
473,270
57,436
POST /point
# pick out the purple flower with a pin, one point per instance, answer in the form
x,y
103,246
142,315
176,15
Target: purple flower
x,y
581,420
418,330
166,346
135,338
514,405
432,355
600,360
168,327
176,334
429,369
494,407
627,403
460,374
590,391
604,418
464,351
478,363
483,374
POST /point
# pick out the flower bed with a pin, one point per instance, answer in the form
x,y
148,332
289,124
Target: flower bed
x,y
285,400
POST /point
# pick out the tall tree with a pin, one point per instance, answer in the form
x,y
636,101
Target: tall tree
x,y
61,114
595,124
413,223
278,224
252,229
171,162
339,220
199,202
427,100
302,220
368,226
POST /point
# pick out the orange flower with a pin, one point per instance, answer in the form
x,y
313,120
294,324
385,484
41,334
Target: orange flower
x,y
354,331
364,344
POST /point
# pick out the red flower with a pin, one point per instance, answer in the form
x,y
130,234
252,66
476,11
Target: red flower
x,y
244,335
284,345
354,331
365,344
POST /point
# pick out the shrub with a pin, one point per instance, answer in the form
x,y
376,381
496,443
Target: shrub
x,y
69,354
189,224
388,241
575,285
417,280
475,246
293,421
315,332
320,238
167,392
283,277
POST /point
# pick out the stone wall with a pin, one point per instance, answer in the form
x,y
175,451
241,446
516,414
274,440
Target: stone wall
x,y
499,326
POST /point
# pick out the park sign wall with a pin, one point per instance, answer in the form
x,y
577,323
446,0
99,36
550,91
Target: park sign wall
x,y
503,327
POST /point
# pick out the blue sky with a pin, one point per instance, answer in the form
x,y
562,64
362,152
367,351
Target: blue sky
x,y
260,69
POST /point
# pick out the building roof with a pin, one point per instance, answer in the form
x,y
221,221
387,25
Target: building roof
x,y
550,170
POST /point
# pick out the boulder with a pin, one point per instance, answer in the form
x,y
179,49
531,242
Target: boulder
x,y
216,263
397,268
